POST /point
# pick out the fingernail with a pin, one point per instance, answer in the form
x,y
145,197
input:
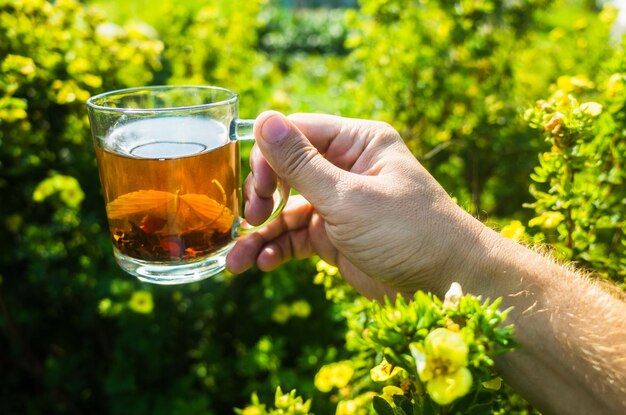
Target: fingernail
x,y
275,129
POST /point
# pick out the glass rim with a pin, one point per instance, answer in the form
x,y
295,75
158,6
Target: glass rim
x,y
92,101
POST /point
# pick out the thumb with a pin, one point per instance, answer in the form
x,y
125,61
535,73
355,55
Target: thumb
x,y
295,159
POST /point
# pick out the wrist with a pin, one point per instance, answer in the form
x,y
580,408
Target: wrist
x,y
496,266
484,262
466,253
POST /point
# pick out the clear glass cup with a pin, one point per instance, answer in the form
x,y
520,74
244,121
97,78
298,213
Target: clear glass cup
x,y
169,165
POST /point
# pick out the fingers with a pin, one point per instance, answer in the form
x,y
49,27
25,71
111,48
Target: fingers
x,y
258,189
264,176
291,245
294,158
256,208
247,250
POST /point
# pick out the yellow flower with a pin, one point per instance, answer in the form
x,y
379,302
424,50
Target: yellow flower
x,y
360,405
514,230
445,389
346,408
251,410
333,375
592,109
301,309
323,380
343,372
389,392
384,371
323,266
444,352
442,364
12,109
615,84
67,187
18,64
281,314
141,302
572,83
580,23
608,14
557,34
105,305
325,273
280,98
548,220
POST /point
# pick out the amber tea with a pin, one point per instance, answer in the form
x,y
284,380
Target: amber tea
x,y
171,187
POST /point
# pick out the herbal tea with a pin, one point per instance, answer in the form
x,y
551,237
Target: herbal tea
x,y
171,188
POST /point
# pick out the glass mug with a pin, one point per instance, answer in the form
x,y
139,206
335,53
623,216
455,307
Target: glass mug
x,y
169,165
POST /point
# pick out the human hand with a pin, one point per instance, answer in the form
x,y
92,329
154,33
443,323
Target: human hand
x,y
366,205
370,208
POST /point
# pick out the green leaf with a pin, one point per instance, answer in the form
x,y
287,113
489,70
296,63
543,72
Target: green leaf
x,y
480,409
404,403
382,407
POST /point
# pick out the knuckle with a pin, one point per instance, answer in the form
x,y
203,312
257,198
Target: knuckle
x,y
386,132
384,126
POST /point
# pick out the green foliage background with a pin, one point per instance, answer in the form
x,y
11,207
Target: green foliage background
x,y
454,77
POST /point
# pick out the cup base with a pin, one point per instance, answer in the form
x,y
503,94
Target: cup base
x,y
172,273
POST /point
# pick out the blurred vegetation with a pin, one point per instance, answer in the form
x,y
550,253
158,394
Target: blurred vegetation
x,y
478,89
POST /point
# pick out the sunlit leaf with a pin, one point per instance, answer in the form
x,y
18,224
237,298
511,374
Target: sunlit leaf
x,y
182,212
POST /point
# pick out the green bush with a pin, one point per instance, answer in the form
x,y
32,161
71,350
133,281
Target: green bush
x,y
217,45
579,183
78,335
288,32
454,76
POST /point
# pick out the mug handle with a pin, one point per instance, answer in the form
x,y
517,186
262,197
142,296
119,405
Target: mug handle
x,y
242,130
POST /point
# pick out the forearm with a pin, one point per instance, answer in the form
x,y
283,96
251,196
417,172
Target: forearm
x,y
572,333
